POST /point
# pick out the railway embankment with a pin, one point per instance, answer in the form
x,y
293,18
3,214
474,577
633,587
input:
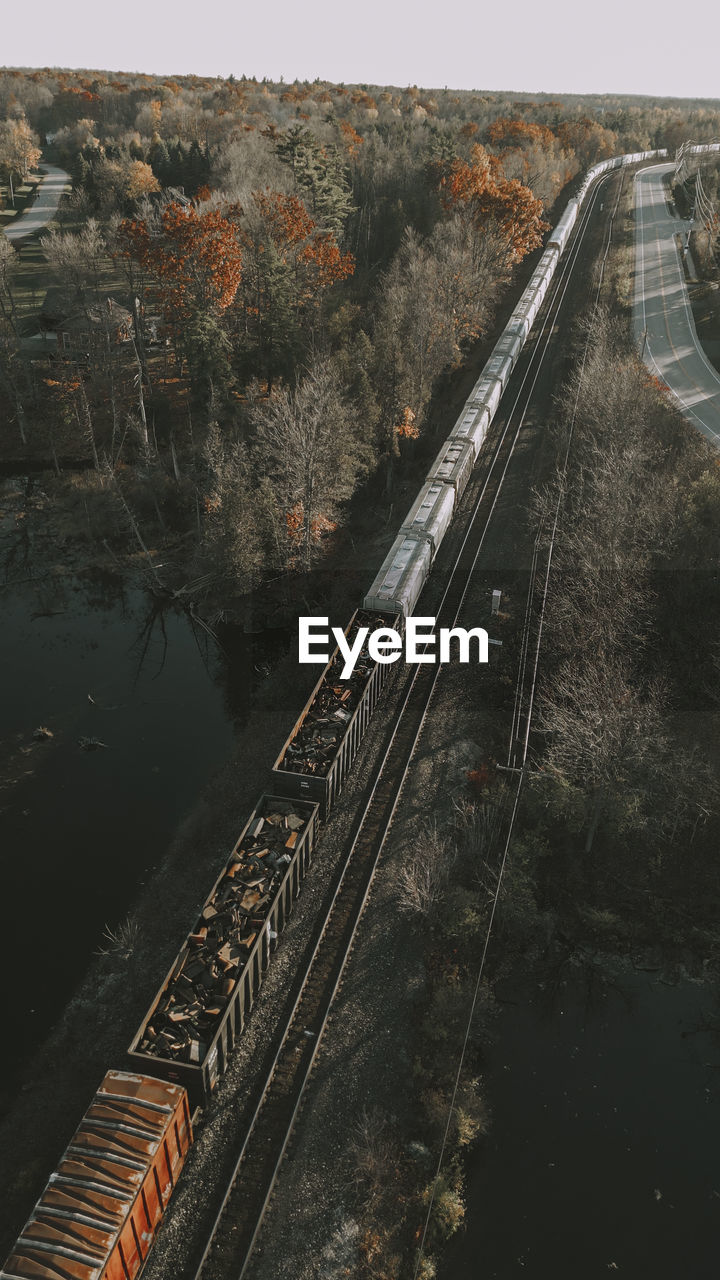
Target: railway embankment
x,y
355,1192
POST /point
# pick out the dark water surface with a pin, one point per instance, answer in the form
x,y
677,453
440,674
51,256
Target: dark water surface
x,y
604,1153
80,831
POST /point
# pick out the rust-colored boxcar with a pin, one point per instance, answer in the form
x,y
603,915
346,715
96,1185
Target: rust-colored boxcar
x,y
200,1010
327,734
100,1211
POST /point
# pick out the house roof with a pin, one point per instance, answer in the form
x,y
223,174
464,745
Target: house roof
x,y
62,310
97,316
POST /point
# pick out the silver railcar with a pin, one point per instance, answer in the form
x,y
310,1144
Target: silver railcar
x,y
430,513
402,576
454,465
472,425
559,236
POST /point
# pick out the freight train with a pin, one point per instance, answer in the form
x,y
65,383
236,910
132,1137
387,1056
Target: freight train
x,y
99,1213
404,571
97,1218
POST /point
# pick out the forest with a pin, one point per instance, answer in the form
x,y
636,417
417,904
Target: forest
x,y
253,290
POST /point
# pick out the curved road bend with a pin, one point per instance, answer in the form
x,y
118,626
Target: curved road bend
x,y
44,207
662,317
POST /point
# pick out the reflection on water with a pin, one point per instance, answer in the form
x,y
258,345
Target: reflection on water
x,y
81,829
603,1154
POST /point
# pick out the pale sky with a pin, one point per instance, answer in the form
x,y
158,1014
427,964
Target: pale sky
x,y
618,46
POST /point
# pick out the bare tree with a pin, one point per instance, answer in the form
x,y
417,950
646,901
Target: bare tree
x,y
373,1153
604,733
231,545
307,441
76,259
422,881
13,373
436,297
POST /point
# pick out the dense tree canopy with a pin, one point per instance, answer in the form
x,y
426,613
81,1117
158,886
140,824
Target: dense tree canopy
x,y
233,248
480,188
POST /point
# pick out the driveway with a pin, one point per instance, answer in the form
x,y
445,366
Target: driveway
x,y
44,207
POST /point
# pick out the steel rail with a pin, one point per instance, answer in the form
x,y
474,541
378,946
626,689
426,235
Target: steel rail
x,y
237,1225
515,797
521,694
578,233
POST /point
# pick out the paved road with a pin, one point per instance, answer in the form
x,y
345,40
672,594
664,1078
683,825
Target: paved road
x,y
44,208
662,316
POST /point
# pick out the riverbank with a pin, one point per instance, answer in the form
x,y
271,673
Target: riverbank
x,y
96,1027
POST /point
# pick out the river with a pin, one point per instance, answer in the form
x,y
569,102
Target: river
x,y
81,830
603,1152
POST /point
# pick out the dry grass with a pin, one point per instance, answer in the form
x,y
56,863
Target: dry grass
x,y
122,941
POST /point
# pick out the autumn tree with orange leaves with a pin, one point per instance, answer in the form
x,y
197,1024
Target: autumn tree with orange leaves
x,y
588,140
195,259
533,154
194,255
479,190
289,266
504,132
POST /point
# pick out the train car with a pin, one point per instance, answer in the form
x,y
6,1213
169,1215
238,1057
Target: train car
x,y
430,513
487,391
454,463
560,234
506,349
544,272
402,574
547,264
473,423
200,1010
324,740
521,320
100,1211
500,363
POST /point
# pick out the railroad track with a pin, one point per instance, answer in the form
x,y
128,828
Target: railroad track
x,y
533,622
239,1220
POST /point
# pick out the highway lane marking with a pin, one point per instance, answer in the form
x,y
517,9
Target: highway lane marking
x,y
693,382
715,377
689,412
640,189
